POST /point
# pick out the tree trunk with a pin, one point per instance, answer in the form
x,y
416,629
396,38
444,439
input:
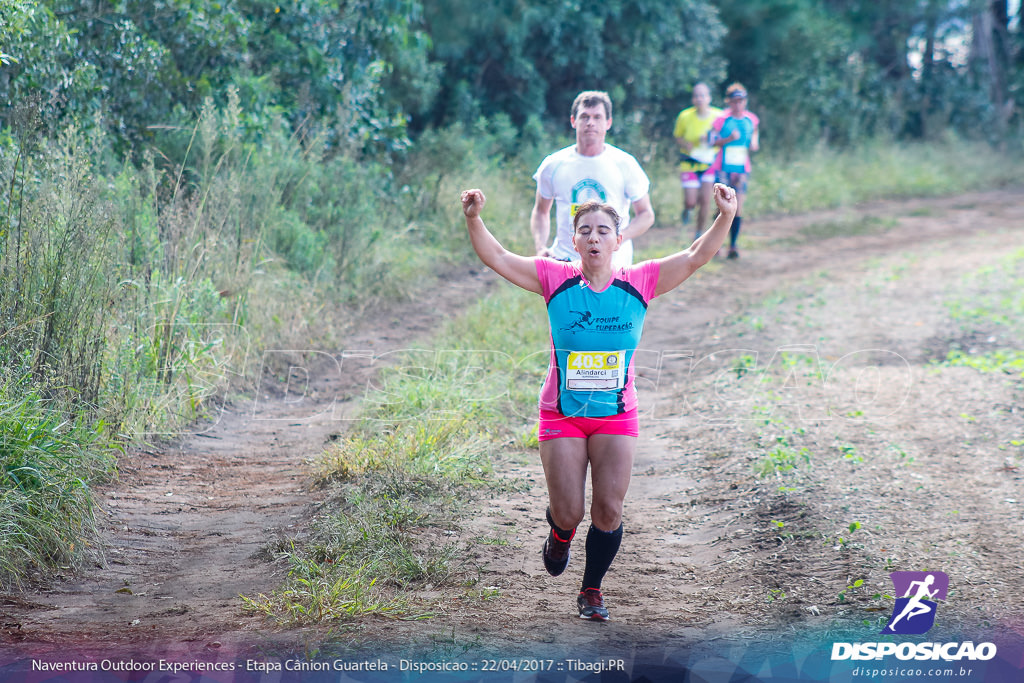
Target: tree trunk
x,y
928,67
990,52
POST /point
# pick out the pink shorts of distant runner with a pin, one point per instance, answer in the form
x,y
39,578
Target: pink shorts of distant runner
x,y
554,425
692,180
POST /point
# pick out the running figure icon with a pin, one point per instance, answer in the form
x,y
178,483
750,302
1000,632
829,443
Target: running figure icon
x,y
581,322
919,590
914,606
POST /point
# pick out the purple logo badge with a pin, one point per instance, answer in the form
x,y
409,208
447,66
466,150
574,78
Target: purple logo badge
x,y
914,613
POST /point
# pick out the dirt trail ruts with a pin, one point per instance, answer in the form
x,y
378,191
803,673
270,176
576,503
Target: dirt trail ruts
x,y
185,524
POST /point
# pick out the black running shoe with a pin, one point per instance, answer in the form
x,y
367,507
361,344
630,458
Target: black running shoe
x,y
556,554
591,604
733,253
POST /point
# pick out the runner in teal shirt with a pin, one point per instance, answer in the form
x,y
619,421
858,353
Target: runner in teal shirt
x,y
736,132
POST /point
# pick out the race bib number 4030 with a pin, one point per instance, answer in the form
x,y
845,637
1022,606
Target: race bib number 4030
x,y
595,371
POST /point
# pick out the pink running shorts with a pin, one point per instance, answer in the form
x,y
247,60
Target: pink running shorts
x,y
554,425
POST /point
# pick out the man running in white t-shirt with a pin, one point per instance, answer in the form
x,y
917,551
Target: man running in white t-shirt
x,y
590,169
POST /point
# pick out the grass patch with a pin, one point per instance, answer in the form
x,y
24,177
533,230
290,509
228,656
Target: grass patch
x,y
827,178
849,227
317,593
47,468
1007,361
403,479
988,304
450,449
782,459
991,297
387,527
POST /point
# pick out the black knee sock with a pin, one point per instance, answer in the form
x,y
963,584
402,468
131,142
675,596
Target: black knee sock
x,y
602,547
734,230
560,534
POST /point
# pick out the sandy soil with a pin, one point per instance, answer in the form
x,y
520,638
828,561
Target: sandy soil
x,y
820,344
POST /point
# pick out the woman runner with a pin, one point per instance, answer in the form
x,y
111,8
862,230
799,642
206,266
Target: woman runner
x,y
588,404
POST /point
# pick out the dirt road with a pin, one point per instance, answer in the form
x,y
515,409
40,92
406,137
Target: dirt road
x,y
797,446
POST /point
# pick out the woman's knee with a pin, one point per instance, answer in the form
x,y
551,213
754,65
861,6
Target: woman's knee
x,y
606,515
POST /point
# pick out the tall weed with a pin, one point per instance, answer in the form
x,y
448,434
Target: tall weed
x,y
57,243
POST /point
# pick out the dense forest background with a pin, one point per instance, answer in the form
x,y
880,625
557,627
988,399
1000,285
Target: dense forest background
x,y
380,72
182,182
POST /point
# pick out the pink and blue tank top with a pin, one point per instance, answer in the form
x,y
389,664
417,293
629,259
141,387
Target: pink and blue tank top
x,y
594,336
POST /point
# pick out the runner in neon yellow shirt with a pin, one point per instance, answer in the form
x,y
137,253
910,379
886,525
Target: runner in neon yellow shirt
x,y
691,134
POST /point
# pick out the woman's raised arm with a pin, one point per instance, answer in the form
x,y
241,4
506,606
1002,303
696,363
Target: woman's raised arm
x,y
683,264
519,270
